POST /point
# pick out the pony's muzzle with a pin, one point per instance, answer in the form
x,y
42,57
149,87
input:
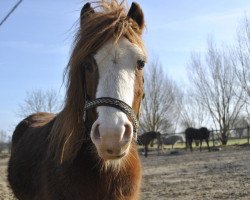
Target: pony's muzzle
x,y
112,142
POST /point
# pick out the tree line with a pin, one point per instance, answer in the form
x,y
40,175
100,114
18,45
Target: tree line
x,y
217,94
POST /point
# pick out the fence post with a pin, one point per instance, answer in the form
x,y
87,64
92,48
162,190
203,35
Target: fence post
x,y
248,134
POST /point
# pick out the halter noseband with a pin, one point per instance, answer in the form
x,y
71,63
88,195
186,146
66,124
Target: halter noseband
x,y
115,103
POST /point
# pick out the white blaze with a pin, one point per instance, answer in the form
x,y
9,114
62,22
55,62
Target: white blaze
x,y
112,131
116,65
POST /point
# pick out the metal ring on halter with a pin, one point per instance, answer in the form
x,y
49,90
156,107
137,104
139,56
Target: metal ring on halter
x,y
111,102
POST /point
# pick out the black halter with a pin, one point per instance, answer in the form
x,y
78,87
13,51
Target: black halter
x,y
115,103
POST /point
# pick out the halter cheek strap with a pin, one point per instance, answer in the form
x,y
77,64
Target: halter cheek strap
x,y
115,103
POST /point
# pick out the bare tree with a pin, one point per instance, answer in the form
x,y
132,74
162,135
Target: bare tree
x,y
39,101
3,138
192,113
241,57
159,112
215,88
241,125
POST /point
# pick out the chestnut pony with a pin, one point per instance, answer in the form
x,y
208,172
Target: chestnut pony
x,y
88,150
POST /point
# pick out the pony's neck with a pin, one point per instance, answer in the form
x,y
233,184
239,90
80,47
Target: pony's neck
x,y
67,135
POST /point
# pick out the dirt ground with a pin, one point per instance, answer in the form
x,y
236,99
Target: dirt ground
x,y
5,193
219,175
183,175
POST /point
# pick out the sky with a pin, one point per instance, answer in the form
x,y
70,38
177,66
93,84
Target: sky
x,y
35,41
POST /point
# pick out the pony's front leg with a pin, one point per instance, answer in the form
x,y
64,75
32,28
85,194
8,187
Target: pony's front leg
x,y
190,145
159,147
207,141
146,151
200,145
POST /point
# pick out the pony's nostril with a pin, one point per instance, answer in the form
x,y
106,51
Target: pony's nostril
x,y
109,151
96,133
128,132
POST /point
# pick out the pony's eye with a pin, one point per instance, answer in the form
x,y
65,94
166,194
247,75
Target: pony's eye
x,y
140,64
87,67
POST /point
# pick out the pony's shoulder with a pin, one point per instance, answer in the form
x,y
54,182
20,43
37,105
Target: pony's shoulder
x,y
35,120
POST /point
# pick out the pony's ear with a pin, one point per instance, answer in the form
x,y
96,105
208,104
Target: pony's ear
x,y
135,13
86,11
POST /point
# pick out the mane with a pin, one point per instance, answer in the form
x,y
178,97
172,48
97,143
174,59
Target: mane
x,y
109,21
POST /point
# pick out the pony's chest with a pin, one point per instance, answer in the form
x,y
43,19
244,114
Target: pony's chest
x,y
99,188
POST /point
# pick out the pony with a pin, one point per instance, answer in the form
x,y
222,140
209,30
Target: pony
x,y
197,135
170,140
88,150
146,138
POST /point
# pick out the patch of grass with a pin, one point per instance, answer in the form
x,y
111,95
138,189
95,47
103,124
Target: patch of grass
x,y
182,145
237,141
4,155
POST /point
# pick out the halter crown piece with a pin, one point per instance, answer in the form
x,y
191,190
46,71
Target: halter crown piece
x,y
115,103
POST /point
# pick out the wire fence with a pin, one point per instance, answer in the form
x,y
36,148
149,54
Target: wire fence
x,y
235,135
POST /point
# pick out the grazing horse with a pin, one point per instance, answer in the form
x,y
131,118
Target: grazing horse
x,y
197,135
88,150
170,140
146,138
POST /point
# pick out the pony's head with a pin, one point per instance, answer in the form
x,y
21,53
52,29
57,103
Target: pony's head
x,y
119,61
107,61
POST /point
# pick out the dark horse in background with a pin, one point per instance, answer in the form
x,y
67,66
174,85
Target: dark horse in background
x,y
146,138
201,134
170,140
88,151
